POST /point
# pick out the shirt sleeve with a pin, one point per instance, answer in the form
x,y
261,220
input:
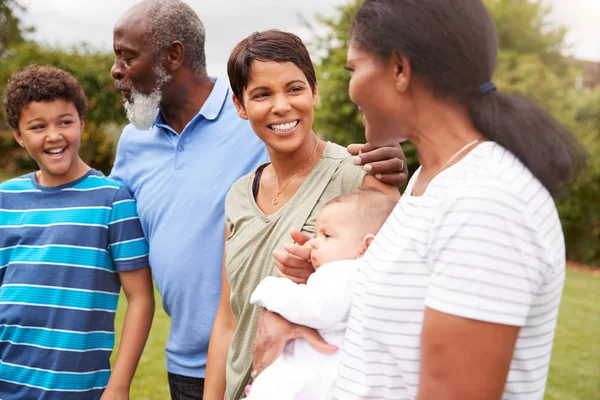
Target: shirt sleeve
x,y
127,244
487,260
321,303
352,175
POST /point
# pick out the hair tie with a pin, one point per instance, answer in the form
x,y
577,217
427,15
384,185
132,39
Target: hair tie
x,y
487,87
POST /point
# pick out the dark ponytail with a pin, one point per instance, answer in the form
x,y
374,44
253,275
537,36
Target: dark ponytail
x,y
452,46
544,145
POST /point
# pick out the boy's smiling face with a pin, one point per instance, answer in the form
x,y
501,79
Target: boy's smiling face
x,y
50,131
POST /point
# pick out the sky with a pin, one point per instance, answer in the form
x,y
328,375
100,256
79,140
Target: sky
x,y
66,22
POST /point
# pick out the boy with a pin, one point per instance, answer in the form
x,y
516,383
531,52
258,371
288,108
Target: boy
x,y
345,228
69,238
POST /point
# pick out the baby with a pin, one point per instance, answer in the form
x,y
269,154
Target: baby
x,y
345,228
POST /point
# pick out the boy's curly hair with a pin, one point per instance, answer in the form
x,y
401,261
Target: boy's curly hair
x,y
41,83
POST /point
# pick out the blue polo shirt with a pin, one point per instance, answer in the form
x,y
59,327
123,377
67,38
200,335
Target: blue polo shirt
x,y
180,183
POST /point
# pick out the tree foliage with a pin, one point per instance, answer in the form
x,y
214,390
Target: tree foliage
x,y
530,63
11,30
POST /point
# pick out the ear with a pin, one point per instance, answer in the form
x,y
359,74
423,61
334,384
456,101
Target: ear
x,y
316,95
402,70
18,138
239,107
366,242
82,126
174,56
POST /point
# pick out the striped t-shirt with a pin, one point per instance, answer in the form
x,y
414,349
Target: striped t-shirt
x,y
60,250
484,242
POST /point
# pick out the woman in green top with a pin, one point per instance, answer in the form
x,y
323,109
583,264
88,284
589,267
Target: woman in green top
x,y
275,88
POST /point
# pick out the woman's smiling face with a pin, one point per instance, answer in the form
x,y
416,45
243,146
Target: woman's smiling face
x,y
279,103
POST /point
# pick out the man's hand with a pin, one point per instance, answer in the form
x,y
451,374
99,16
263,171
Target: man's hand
x,y
272,334
387,164
294,263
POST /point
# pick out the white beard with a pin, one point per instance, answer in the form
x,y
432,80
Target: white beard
x,y
142,109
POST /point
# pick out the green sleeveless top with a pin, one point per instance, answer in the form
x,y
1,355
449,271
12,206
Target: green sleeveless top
x,y
254,237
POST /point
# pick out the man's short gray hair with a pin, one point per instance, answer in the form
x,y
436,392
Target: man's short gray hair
x,y
174,20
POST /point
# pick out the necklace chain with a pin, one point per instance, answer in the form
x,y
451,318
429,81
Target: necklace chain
x,y
278,192
447,163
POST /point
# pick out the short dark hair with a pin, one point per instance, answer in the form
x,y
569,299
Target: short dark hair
x,y
271,45
452,47
373,207
41,83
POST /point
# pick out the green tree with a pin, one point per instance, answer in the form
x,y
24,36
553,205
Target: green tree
x,y
105,116
11,30
530,63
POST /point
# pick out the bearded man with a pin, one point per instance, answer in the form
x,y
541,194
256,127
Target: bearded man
x,y
184,148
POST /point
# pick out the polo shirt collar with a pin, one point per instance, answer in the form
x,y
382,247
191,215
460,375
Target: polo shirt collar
x,y
212,106
214,103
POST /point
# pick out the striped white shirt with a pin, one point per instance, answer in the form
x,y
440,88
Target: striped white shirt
x,y
484,242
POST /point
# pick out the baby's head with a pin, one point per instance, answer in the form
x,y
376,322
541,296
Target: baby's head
x,y
347,225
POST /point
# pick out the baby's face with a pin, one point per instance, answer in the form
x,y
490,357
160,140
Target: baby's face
x,y
338,235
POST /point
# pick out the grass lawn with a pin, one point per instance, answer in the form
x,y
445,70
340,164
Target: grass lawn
x,y
575,366
574,372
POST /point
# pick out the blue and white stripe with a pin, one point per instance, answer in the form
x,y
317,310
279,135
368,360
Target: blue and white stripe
x,y
60,251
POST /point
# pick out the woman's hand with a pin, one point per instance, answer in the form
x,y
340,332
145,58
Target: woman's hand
x,y
387,164
294,263
272,334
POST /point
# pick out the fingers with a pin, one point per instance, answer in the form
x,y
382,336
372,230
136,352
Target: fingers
x,y
295,279
272,333
354,148
294,263
293,267
315,340
380,154
298,250
266,358
398,179
387,164
299,237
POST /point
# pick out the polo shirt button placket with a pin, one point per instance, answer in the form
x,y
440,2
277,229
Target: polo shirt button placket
x,y
180,147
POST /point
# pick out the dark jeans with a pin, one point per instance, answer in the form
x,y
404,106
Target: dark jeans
x,y
185,387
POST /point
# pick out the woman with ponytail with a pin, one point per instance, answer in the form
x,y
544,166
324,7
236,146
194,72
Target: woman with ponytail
x,y
458,296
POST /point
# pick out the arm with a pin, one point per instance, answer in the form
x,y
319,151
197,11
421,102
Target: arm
x,y
389,190
137,285
129,251
320,304
487,264
464,359
220,339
